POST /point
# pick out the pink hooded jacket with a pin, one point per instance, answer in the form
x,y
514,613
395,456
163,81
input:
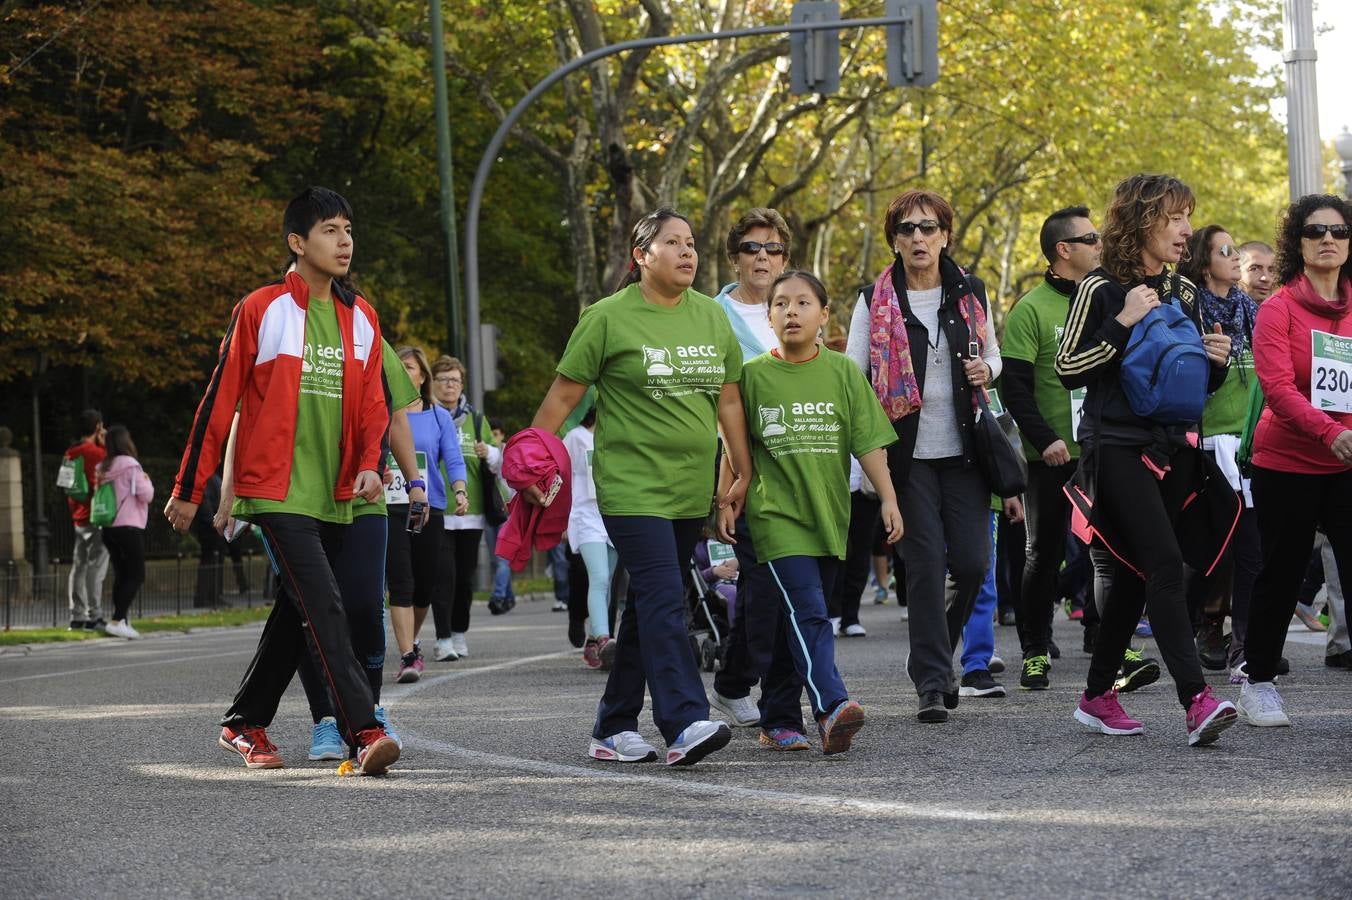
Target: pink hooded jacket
x,y
534,457
134,491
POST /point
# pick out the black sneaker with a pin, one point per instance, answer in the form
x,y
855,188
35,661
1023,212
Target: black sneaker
x,y
100,625
1034,677
77,625
1137,671
1008,617
932,707
1283,664
951,699
1052,650
979,683
1090,636
1211,651
497,605
577,634
1339,660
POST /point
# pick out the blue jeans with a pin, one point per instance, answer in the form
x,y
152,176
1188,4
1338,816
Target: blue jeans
x,y
652,649
502,572
558,565
751,637
805,648
978,635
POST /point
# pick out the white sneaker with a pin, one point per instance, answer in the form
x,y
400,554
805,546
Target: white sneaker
x,y
122,629
1260,703
835,625
442,651
697,741
627,746
905,613
458,644
742,711
855,630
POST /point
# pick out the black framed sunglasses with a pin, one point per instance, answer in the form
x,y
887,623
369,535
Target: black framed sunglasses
x,y
927,227
1089,240
772,248
1316,230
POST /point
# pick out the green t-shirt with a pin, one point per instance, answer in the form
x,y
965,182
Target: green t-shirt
x,y
806,419
465,427
319,427
401,394
658,372
1033,332
1227,409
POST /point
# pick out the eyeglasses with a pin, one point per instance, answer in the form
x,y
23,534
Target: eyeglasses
x,y
927,227
1316,230
446,379
1228,250
1091,239
752,248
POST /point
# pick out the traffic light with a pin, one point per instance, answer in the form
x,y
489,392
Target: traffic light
x,y
814,56
913,47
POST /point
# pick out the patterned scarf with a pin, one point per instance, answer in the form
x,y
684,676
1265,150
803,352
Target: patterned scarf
x,y
1235,313
889,350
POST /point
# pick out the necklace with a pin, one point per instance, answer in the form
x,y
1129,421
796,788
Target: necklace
x,y
934,345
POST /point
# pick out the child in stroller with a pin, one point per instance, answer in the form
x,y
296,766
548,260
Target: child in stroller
x,y
712,600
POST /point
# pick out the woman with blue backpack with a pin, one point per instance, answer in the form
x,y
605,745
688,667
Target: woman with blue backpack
x,y
1145,491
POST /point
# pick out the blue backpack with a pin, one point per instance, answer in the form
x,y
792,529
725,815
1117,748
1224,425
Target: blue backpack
x,y
1164,367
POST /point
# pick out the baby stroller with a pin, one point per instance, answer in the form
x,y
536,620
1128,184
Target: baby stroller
x,y
709,606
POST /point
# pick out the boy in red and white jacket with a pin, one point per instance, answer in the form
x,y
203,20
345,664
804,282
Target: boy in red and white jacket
x,y
301,360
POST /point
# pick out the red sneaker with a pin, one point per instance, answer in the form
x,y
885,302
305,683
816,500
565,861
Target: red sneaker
x,y
591,652
376,751
253,745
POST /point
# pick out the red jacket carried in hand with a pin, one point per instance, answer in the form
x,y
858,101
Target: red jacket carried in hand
x,y
534,457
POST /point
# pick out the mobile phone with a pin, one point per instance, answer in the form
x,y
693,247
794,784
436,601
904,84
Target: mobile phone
x,y
235,529
416,509
553,489
973,350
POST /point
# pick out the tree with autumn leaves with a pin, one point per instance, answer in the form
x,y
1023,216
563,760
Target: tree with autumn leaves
x,y
147,148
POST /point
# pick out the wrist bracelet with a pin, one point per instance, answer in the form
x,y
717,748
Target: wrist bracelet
x,y
417,483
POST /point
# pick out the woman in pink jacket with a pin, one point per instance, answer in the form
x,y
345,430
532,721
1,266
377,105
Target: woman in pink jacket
x,y
1302,448
125,538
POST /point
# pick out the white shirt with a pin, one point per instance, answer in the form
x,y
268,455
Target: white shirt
x,y
757,318
584,517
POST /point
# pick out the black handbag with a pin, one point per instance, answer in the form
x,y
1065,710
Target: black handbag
x,y
996,445
495,508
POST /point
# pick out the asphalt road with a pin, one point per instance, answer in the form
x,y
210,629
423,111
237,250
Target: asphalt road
x,y
112,785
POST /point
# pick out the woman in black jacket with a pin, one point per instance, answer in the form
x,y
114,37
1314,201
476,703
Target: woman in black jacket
x,y
1137,473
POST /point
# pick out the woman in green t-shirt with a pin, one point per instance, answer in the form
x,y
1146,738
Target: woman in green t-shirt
x,y
808,409
666,365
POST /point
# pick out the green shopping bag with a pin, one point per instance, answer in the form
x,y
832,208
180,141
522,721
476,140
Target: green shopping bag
x,y
1255,412
103,508
71,479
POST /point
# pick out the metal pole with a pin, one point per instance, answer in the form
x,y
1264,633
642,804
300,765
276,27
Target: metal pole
x,y
40,532
445,173
1303,147
474,359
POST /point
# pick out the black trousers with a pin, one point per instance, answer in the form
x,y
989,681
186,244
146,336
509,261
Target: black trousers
x,y
843,602
413,562
751,639
308,618
1143,512
1290,505
127,552
459,562
1046,509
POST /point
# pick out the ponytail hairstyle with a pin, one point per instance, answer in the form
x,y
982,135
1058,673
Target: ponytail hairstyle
x,y
418,356
118,443
642,237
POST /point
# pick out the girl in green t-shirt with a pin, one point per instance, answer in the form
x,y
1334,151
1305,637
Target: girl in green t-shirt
x,y
665,364
809,409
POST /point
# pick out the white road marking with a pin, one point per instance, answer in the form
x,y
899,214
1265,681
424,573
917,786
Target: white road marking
x,y
150,662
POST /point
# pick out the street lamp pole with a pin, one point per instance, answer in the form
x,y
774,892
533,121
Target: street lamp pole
x,y
445,174
1303,147
1343,144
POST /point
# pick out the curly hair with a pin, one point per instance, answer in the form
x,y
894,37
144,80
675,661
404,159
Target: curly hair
x,y
1290,261
1138,205
1195,262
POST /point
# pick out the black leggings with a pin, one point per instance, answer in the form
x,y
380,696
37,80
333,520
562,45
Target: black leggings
x,y
1047,509
1289,506
843,602
1141,512
127,551
458,565
413,561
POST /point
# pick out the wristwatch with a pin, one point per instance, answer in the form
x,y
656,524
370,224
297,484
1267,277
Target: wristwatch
x,y
461,491
417,483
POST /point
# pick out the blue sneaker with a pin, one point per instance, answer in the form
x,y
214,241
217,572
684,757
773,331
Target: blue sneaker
x,y
326,742
697,741
389,729
1143,629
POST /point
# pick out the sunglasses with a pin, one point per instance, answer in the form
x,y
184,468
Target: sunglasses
x,y
1090,239
927,227
751,248
1228,250
1316,231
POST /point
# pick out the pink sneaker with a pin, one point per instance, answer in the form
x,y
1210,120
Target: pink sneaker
x,y
591,652
1105,714
1208,717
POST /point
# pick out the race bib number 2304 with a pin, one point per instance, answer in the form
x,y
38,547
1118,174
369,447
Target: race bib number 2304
x,y
1331,372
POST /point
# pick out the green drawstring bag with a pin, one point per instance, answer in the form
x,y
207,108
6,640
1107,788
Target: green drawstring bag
x,y
1255,412
71,479
103,508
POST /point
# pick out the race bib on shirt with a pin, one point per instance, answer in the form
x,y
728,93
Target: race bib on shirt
x,y
719,552
396,492
1330,372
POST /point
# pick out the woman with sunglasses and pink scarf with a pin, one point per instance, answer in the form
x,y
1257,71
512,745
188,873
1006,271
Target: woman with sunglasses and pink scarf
x,y
1302,448
922,334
